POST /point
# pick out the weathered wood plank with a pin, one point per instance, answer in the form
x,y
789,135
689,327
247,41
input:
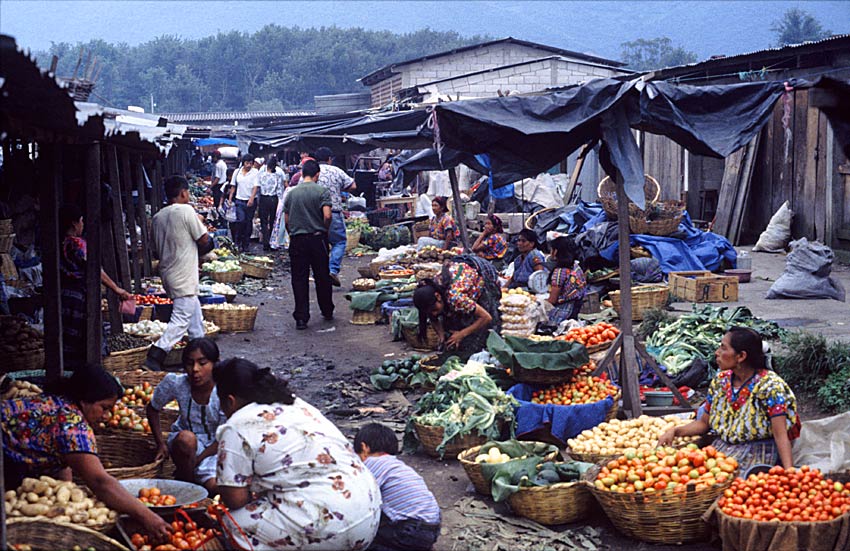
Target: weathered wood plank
x,y
94,325
628,363
51,185
823,198
118,226
728,192
141,214
130,210
743,196
582,155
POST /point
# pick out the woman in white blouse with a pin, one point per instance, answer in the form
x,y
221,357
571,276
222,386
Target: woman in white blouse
x,y
245,187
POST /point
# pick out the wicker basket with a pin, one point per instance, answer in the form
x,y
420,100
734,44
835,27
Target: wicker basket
x,y
431,436
352,239
6,241
366,317
658,518
256,270
128,455
43,534
645,297
167,417
361,287
540,376
607,191
666,214
231,321
136,377
365,271
598,347
473,469
234,276
531,222
550,505
411,336
126,359
24,361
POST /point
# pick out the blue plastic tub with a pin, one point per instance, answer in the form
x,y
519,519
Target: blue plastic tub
x,y
212,299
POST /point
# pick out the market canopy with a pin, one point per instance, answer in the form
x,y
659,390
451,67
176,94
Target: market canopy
x,y
203,142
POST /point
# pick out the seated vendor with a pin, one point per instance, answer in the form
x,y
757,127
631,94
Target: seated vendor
x,y
51,434
463,300
567,285
529,260
491,244
442,231
752,410
191,441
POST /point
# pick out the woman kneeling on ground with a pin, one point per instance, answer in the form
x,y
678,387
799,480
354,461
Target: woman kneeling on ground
x,y
289,477
752,410
191,441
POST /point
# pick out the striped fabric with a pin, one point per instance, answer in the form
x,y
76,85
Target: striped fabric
x,y
403,492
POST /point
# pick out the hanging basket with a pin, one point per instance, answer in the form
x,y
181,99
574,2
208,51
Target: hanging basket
x,y
607,191
126,359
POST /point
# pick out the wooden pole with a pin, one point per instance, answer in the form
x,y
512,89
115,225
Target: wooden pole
x,y
585,149
628,364
52,237
461,217
118,226
141,213
127,186
94,325
110,262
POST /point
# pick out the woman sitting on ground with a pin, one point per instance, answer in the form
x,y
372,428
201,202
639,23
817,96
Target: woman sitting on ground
x,y
289,477
442,231
752,410
529,260
491,244
567,285
191,440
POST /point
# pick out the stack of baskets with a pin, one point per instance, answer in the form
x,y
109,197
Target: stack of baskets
x,y
607,191
644,297
657,219
231,320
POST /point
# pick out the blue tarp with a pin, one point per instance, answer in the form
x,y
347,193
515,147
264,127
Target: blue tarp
x,y
564,422
201,142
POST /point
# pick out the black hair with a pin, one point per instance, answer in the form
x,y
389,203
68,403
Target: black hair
x,y
246,158
244,379
496,222
174,185
310,169
216,155
69,214
271,164
566,254
744,339
323,154
89,383
207,346
378,437
443,202
425,297
530,236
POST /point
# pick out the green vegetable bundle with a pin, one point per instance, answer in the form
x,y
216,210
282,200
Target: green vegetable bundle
x,y
401,373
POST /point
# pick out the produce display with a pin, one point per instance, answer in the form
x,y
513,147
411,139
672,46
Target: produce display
x,y
153,497
435,254
363,283
125,417
666,470
221,266
150,300
581,390
222,289
516,307
18,389
406,372
697,335
616,437
184,535
786,495
123,341
592,335
62,501
139,395
424,270
26,547
227,306
153,329
546,474
258,259
17,336
396,273
222,252
495,456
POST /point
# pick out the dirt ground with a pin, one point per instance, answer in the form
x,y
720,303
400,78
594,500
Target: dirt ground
x,y
329,363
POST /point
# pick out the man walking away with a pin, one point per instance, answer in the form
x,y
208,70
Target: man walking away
x,y
307,214
335,180
219,178
178,238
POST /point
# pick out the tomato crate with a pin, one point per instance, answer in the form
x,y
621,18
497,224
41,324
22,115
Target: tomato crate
x,y
703,286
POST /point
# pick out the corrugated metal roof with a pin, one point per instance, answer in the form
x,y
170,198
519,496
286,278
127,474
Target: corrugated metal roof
x,y
233,115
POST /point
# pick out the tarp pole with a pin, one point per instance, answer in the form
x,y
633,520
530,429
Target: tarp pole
x,y
461,216
628,364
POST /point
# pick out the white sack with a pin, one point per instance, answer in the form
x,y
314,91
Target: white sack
x,y
775,238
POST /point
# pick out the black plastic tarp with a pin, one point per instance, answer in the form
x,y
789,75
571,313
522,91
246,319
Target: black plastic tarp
x,y
409,163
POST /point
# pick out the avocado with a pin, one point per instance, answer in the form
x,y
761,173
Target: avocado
x,y
540,480
549,475
390,369
547,466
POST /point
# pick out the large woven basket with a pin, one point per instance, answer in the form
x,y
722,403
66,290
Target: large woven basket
x,y
352,239
6,241
411,337
135,377
231,321
24,361
473,469
233,276
540,376
256,270
366,317
42,534
645,297
128,455
431,436
555,504
607,191
666,218
126,359
658,518
167,417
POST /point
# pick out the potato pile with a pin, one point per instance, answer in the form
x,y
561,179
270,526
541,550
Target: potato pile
x,y
62,501
616,437
16,336
20,389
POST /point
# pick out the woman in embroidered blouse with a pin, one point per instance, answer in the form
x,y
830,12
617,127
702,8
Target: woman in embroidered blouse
x,y
72,277
463,299
289,477
529,260
491,244
51,434
567,285
752,410
191,440
442,231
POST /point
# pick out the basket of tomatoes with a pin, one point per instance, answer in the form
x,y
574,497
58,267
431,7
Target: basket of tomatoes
x,y
189,530
784,509
596,337
660,495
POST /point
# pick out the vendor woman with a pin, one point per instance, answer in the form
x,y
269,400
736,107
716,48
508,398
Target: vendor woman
x,y
442,231
491,244
752,410
51,434
462,304
567,285
529,260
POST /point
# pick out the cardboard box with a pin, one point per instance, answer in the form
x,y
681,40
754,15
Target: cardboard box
x,y
703,286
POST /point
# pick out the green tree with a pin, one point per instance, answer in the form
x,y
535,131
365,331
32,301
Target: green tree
x,y
797,26
646,54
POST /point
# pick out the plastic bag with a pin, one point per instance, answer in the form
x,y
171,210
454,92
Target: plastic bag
x,y
128,307
775,237
806,274
824,444
230,212
646,270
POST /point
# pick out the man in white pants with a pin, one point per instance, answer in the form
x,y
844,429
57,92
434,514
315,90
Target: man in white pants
x,y
179,238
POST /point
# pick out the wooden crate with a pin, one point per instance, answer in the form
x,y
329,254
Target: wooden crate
x,y
703,286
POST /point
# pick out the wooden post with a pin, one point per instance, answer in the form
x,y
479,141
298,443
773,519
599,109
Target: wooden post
x,y
127,186
628,365
110,263
118,226
585,149
94,325
461,216
52,237
141,215
156,187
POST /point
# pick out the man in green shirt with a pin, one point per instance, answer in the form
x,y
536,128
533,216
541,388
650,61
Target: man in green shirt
x,y
308,214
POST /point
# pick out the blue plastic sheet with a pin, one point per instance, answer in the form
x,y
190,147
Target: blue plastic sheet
x,y
564,422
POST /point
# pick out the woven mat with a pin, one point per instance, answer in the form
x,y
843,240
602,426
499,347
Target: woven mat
x,y
491,531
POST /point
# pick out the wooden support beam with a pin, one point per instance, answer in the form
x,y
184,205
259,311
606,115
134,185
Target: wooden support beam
x,y
130,209
628,364
51,243
118,226
141,214
94,325
109,257
582,154
459,214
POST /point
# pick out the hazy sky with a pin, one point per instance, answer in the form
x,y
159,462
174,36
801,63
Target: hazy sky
x,y
706,27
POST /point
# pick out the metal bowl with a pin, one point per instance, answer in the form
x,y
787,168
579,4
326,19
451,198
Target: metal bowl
x,y
184,492
742,275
